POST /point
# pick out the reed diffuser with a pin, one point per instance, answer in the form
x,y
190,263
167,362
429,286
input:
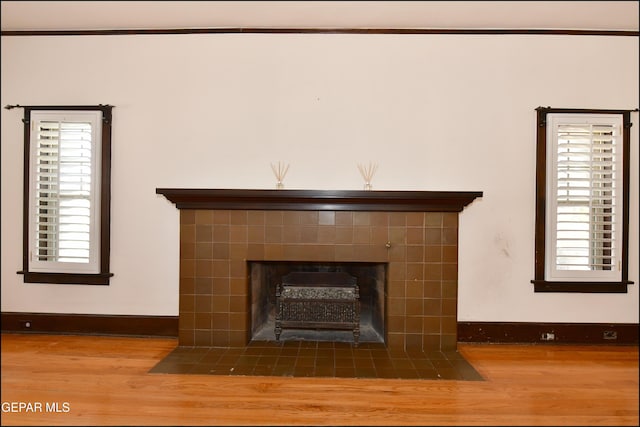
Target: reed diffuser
x,y
367,172
280,171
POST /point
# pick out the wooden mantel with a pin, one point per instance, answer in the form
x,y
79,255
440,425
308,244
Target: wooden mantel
x,y
323,200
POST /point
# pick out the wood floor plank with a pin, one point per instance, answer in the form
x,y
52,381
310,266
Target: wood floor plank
x,y
100,380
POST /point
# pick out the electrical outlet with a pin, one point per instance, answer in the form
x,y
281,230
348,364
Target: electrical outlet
x,y
548,336
25,324
610,335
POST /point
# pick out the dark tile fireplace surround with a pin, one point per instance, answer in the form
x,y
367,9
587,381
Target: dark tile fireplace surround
x,y
402,246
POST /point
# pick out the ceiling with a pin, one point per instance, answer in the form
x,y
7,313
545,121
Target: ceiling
x,y
107,15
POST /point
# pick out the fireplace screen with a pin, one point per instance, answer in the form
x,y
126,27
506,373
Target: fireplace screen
x,y
318,300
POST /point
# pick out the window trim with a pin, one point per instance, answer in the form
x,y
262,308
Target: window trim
x,y
554,121
101,278
541,284
40,119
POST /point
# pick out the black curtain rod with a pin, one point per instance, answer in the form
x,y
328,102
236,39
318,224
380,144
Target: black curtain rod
x,y
578,110
56,107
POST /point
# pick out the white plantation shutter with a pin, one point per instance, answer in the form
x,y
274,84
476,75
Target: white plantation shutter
x,y
584,226
65,193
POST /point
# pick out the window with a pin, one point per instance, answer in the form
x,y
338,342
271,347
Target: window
x,y
66,206
582,206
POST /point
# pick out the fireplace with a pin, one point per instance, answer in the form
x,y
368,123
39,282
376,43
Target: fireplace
x,y
402,242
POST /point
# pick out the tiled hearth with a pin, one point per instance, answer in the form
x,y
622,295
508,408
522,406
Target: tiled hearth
x,y
413,234
317,359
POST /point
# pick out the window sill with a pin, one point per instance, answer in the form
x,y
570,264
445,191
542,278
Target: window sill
x,y
585,287
67,278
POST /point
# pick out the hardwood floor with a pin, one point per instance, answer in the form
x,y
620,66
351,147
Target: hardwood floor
x,y
101,380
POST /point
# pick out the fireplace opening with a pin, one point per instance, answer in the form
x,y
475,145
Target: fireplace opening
x,y
267,277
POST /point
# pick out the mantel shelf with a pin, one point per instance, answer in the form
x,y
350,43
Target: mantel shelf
x,y
322,200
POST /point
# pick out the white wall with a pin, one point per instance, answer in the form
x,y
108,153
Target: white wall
x,y
437,112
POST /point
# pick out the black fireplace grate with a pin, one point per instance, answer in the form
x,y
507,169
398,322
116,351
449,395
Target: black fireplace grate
x,y
318,300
